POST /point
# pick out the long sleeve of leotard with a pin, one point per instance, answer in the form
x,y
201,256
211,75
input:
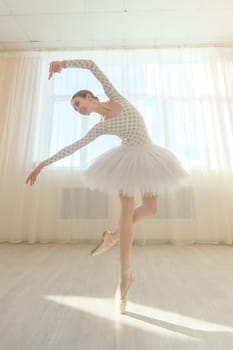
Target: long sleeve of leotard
x,y
109,89
92,134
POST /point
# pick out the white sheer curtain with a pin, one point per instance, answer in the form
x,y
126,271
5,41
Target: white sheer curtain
x,y
186,98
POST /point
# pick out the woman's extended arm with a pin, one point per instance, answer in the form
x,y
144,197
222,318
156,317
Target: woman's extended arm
x,y
109,89
92,134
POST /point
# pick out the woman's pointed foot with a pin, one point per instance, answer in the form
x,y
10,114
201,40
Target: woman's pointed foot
x,y
108,241
122,293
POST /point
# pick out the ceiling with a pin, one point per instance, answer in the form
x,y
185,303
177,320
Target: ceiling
x,y
99,24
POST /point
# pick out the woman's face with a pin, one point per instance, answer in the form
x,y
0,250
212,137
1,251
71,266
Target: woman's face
x,y
83,105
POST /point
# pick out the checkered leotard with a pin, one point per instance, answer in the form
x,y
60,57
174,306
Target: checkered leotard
x,y
128,125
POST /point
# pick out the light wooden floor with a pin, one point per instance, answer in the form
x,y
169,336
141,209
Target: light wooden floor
x,y
58,297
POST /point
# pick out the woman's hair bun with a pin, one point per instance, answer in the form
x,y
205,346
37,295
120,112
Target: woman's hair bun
x,y
83,94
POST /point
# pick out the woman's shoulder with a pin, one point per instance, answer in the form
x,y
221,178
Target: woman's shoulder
x,y
121,100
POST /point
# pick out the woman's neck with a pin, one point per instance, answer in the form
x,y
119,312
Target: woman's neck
x,y
101,108
107,109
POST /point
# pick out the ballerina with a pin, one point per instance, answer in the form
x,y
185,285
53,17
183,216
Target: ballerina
x,y
135,166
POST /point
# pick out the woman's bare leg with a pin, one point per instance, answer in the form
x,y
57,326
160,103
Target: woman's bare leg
x,y
126,239
148,207
126,232
128,217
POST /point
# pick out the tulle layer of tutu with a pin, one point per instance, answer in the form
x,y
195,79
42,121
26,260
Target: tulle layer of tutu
x,y
132,169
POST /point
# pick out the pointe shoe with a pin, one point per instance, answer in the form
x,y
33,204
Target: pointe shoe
x,y
108,241
122,292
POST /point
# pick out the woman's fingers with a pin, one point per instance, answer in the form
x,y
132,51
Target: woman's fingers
x,y
55,67
28,179
31,179
51,70
50,75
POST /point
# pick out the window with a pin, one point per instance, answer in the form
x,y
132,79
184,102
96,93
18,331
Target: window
x,y
178,101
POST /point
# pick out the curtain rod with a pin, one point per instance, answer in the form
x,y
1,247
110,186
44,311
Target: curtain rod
x,y
123,47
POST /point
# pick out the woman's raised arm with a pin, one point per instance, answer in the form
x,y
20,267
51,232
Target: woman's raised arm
x,y
109,89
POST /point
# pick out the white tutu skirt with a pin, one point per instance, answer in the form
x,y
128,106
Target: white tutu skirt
x,y
147,169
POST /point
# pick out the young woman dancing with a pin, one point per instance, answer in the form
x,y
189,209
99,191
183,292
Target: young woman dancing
x,y
136,165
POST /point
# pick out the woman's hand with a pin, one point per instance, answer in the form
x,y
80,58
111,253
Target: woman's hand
x,y
55,67
31,179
